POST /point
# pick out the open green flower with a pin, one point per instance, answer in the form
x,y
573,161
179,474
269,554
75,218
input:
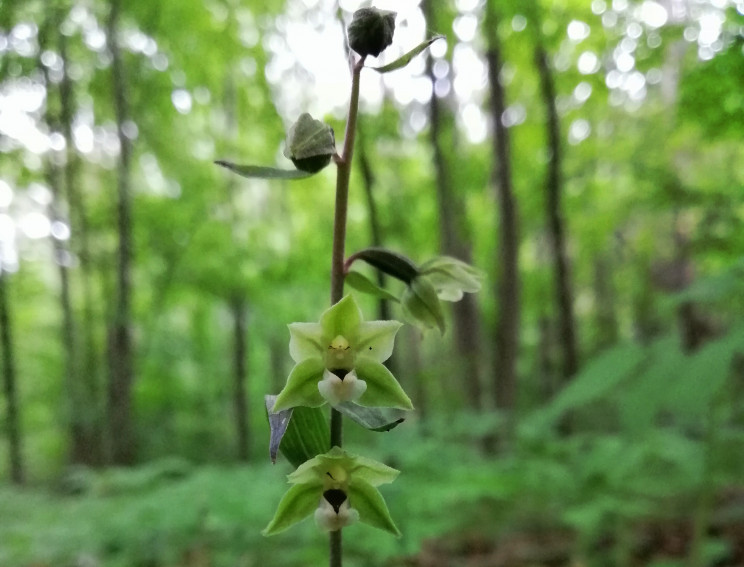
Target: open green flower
x,y
340,360
338,489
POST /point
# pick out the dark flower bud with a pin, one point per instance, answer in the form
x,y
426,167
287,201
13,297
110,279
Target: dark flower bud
x,y
310,144
371,31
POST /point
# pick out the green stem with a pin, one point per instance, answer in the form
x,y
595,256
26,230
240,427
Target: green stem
x,y
343,174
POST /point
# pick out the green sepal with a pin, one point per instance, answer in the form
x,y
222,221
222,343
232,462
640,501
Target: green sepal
x,y
363,284
343,318
383,390
406,58
261,172
389,262
301,388
371,31
374,419
298,503
299,433
421,303
370,504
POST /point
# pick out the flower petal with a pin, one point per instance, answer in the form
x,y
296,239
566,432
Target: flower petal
x,y
372,472
337,391
301,388
376,339
297,504
342,319
368,501
305,341
383,389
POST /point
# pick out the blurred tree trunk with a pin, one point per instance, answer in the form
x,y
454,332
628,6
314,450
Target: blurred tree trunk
x,y
13,418
508,290
556,222
74,408
453,231
604,300
240,352
78,217
121,367
368,182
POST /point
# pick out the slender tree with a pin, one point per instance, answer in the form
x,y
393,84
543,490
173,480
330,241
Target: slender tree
x,y
239,312
508,289
121,368
454,240
554,213
13,412
88,348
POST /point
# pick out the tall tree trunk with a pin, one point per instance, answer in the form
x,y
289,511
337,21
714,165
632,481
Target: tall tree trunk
x,y
13,417
240,402
88,350
121,368
453,235
556,223
604,300
508,289
68,330
368,182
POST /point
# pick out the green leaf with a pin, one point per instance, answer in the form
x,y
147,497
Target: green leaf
x,y
307,435
391,263
406,59
301,388
374,419
383,389
363,284
373,511
298,503
263,172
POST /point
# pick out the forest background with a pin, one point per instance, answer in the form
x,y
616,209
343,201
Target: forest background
x,y
586,405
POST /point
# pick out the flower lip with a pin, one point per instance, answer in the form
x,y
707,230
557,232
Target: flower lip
x,y
335,497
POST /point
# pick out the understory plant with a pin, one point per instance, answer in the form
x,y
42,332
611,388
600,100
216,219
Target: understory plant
x,y
339,361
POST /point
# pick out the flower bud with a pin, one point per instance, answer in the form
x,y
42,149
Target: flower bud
x,y
310,144
371,31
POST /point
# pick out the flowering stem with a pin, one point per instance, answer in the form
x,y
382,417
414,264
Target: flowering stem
x,y
343,174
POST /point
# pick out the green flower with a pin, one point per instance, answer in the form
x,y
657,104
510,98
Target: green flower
x,y
338,489
340,360
451,277
441,279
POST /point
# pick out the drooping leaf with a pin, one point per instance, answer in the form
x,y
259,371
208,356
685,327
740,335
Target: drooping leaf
x,y
389,262
406,58
278,422
374,419
421,304
304,434
261,172
363,284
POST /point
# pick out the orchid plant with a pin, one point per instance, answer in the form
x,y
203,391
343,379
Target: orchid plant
x,y
339,360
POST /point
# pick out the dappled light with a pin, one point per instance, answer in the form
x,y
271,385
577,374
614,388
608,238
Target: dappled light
x,y
529,219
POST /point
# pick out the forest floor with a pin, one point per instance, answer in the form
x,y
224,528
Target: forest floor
x,y
658,543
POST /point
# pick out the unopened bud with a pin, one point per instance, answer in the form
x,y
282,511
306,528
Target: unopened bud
x,y
371,31
310,144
